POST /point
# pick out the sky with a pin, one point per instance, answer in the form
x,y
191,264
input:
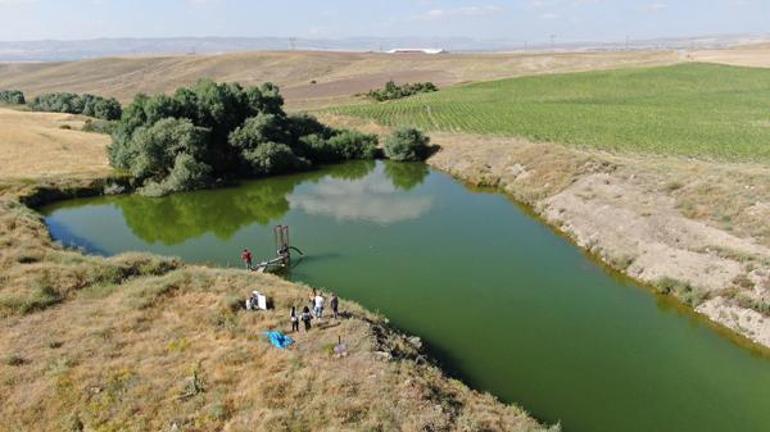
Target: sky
x,y
517,20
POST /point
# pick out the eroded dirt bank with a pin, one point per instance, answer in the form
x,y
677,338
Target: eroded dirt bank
x,y
697,230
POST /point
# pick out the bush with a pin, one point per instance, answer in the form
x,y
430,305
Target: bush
x,y
99,126
272,158
393,91
350,145
407,144
341,146
12,97
14,360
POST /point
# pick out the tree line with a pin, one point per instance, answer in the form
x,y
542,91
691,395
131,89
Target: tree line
x,y
394,91
86,104
12,97
64,102
217,131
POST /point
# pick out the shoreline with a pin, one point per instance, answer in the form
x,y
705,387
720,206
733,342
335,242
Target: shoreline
x,y
561,187
381,346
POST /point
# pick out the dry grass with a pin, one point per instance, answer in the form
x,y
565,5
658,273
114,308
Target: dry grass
x,y
34,144
138,342
338,75
754,55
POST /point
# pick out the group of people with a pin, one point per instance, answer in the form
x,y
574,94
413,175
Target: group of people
x,y
314,310
317,302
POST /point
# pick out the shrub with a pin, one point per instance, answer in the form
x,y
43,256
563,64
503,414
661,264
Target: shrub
x,y
350,145
12,97
99,126
14,360
393,91
407,144
271,158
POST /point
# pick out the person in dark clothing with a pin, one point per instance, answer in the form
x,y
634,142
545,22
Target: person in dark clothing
x,y
294,320
246,258
335,304
306,317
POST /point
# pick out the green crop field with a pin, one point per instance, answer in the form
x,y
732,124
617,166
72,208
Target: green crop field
x,y
694,110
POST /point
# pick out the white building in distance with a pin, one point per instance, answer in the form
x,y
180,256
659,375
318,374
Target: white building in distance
x,y
417,51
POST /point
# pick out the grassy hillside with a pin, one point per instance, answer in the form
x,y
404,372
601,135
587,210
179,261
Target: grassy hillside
x,y
697,110
37,144
338,75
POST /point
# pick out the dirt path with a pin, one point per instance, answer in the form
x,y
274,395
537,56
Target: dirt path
x,y
696,230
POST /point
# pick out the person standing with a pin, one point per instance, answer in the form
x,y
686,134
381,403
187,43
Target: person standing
x,y
306,317
294,320
318,307
246,258
335,303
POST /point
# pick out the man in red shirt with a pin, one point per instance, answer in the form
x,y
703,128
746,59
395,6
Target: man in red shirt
x,y
246,258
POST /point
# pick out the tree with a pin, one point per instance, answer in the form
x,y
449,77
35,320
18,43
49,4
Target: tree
x,y
171,148
107,109
86,104
12,97
259,129
407,144
272,158
222,130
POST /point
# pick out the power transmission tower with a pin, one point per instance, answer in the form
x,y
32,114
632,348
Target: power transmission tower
x,y
292,43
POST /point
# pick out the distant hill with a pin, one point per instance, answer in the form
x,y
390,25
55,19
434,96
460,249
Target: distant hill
x,y
56,50
307,78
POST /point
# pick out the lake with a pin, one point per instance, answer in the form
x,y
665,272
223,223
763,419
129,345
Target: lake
x,y
502,301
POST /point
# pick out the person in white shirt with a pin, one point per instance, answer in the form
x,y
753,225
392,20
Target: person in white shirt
x,y
318,305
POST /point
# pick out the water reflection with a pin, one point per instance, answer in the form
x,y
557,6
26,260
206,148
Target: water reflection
x,y
172,220
373,198
406,175
349,191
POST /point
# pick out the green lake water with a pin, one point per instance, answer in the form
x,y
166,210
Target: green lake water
x,y
502,301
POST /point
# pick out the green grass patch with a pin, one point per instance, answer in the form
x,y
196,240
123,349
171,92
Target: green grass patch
x,y
694,110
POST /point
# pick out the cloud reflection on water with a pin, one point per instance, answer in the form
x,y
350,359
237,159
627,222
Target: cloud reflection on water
x,y
373,199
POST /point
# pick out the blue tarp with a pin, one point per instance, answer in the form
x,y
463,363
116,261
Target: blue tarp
x,y
279,339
